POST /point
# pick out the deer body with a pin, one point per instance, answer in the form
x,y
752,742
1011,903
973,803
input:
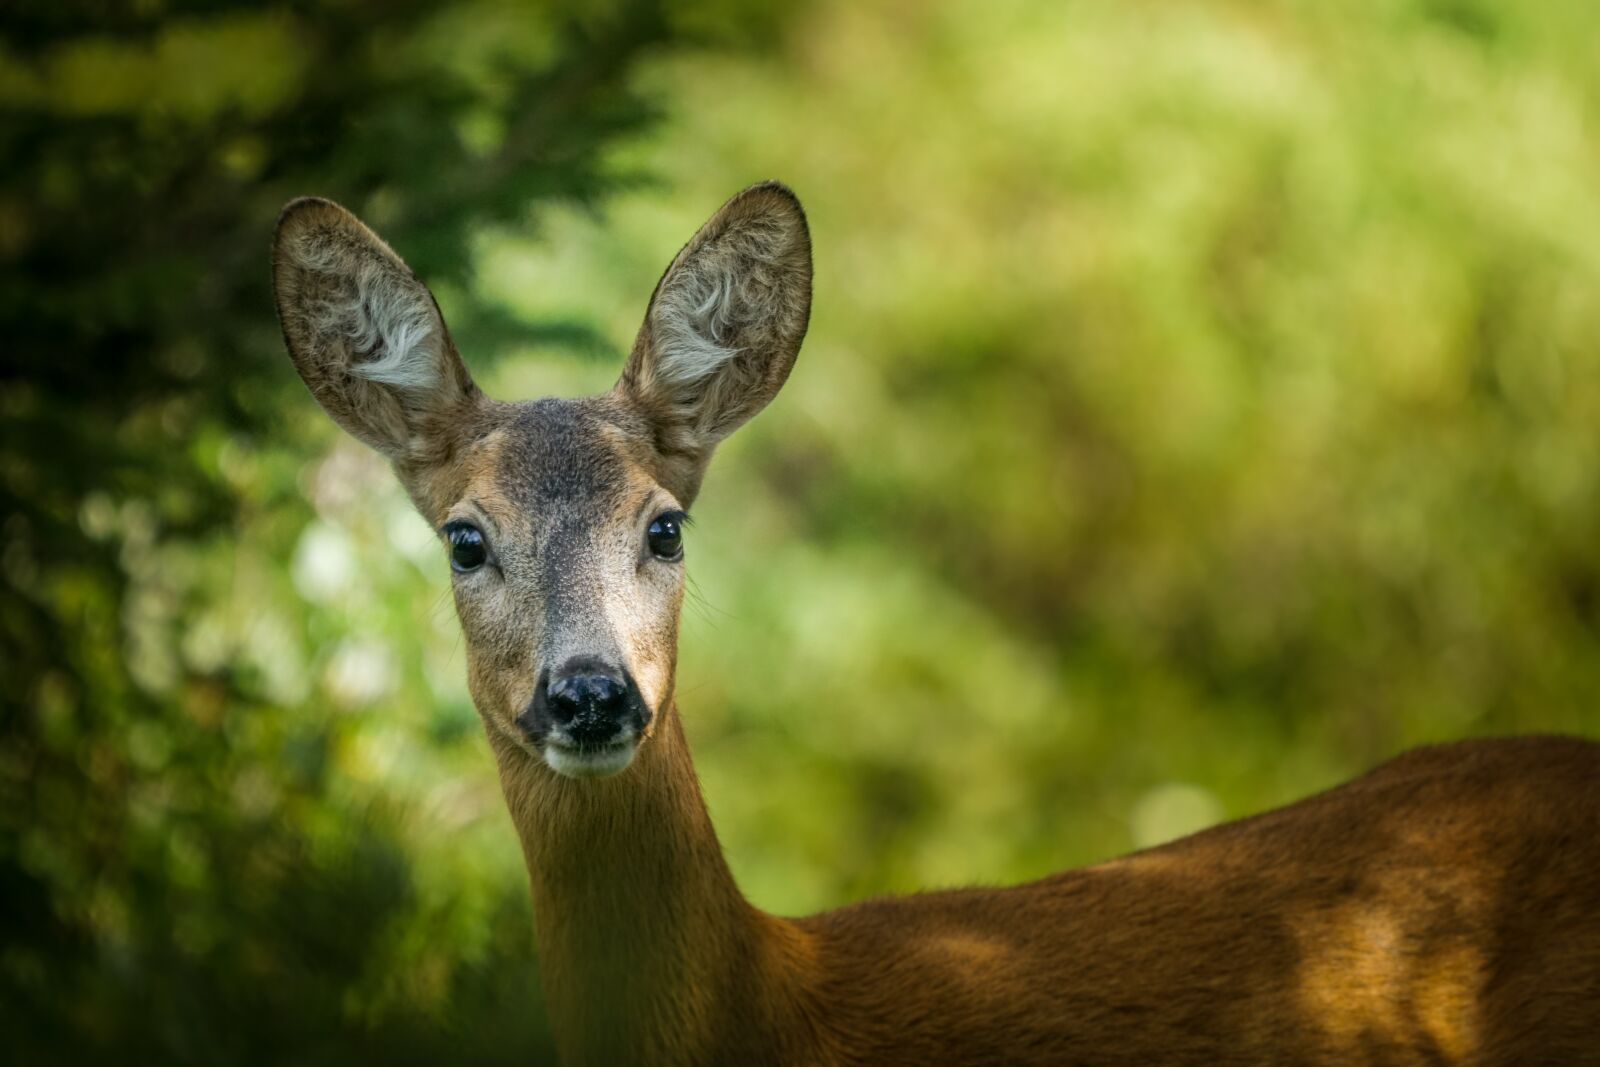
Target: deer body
x,y
1433,911
1443,909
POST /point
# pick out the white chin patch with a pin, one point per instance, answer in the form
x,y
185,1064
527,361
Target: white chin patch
x,y
590,763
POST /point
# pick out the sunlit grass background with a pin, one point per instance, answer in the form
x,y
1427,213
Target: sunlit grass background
x,y
1201,404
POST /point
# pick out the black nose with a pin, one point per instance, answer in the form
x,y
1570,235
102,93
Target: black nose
x,y
589,706
585,702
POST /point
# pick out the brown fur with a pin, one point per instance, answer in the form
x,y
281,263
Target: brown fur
x,y
1445,908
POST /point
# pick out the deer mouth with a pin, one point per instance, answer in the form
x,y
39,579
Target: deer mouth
x,y
590,761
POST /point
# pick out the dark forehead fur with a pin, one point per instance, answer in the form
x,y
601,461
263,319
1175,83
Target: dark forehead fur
x,y
566,450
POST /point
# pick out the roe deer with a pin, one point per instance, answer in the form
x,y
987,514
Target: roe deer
x,y
1445,908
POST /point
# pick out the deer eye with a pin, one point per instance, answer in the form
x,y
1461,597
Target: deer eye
x,y
467,550
665,536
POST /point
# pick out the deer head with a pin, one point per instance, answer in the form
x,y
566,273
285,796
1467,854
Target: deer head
x,y
561,518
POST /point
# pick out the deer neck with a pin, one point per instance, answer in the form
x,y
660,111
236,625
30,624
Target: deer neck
x,y
647,950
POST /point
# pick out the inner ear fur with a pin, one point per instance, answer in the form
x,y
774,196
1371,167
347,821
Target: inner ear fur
x,y
725,323
364,333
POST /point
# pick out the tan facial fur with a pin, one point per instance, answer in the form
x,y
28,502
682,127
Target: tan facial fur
x,y
564,505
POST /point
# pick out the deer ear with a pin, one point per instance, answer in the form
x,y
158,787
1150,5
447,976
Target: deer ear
x,y
725,323
364,333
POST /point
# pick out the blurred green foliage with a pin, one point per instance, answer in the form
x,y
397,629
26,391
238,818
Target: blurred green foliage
x,y
1202,403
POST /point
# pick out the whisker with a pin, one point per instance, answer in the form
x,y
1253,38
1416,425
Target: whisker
x,y
703,606
697,595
